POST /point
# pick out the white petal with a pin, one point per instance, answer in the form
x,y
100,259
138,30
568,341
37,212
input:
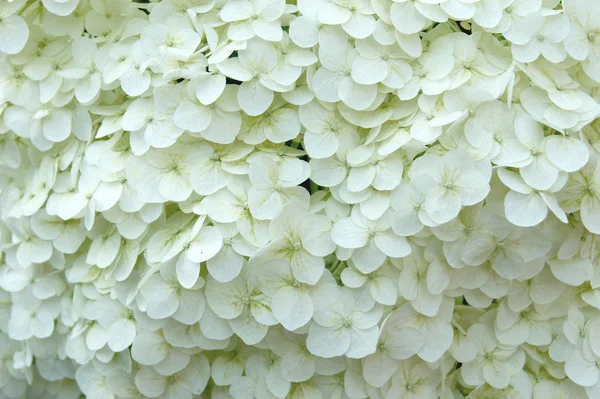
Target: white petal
x,y
362,342
304,31
307,268
327,342
581,371
590,213
254,98
442,205
406,18
378,368
193,117
392,245
187,271
566,153
356,96
572,271
121,334
57,125
292,307
206,245
14,33
210,88
347,234
524,210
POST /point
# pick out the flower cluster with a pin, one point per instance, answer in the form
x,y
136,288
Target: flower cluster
x,y
309,199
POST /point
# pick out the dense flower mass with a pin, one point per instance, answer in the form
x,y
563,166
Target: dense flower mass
x,y
305,199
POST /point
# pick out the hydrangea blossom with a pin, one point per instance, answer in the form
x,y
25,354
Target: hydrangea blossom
x,y
299,199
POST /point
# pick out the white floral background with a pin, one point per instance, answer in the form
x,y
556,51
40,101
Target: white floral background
x,y
306,199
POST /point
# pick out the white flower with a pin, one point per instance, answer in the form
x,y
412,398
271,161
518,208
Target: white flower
x,y
240,302
164,298
494,363
228,262
30,247
516,19
250,18
297,363
557,102
579,242
371,241
377,63
183,384
422,284
278,125
252,67
471,222
230,205
340,326
106,243
493,120
381,172
331,83
99,382
547,39
436,331
413,16
472,67
395,343
332,171
124,62
300,237
355,16
291,61
457,183
427,124
582,41
224,162
526,207
543,288
174,38
31,317
380,284
196,114
159,176
84,69
323,128
582,191
306,199
508,249
527,325
35,194
42,123
413,379
150,122
291,301
431,74
408,201
275,183
115,326
262,375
